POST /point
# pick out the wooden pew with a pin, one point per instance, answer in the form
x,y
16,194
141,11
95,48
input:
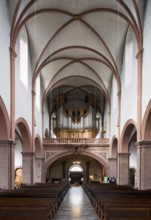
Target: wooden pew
x,y
32,202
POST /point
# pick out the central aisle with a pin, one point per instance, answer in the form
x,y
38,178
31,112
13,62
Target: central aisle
x,y
76,206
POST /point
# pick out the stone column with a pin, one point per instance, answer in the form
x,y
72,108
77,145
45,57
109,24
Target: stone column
x,y
144,164
123,169
7,164
38,169
112,167
28,166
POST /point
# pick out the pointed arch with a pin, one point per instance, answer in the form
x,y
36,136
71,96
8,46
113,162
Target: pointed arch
x,y
126,135
4,121
38,146
146,126
25,133
114,146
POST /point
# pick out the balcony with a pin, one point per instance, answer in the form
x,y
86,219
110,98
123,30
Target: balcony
x,y
77,141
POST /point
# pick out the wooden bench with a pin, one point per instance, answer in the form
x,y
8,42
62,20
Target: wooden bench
x,y
32,202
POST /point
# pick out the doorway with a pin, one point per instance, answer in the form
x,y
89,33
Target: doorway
x,y
76,174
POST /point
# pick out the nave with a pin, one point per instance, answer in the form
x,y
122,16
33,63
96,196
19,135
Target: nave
x,y
76,206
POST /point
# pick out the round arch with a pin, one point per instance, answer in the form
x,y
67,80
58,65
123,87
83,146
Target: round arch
x,y
114,146
25,133
76,167
101,161
4,122
38,146
126,135
146,126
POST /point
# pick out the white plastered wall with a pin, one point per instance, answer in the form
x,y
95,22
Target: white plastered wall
x,y
46,117
38,107
114,109
129,81
23,100
147,58
5,54
107,121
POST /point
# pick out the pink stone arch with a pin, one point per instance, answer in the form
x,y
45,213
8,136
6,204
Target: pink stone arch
x,y
38,146
146,126
126,135
114,146
25,133
58,156
4,122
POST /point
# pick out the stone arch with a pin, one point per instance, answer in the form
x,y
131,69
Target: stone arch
x,y
38,146
146,126
57,156
23,127
4,122
126,135
114,147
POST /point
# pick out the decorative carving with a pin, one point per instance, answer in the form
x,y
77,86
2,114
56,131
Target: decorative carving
x,y
102,154
49,154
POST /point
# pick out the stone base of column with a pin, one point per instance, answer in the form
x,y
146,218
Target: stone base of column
x,y
112,167
123,169
144,164
7,165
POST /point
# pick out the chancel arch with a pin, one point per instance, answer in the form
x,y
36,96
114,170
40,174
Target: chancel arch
x,y
75,168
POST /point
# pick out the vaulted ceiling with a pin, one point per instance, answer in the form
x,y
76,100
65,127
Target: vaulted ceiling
x,y
78,44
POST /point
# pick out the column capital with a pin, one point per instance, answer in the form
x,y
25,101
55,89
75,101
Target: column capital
x,y
33,92
28,154
112,159
123,154
6,143
139,53
143,144
12,50
39,158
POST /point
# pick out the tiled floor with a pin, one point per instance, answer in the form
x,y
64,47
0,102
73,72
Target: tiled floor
x,y
76,206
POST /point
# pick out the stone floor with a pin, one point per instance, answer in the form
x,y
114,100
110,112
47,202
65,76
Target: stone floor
x,y
76,206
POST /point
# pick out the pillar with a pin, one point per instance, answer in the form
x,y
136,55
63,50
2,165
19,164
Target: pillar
x,y
123,169
28,162
38,169
112,167
7,165
143,164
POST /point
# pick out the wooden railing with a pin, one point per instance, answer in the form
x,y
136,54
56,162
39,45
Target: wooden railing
x,y
101,141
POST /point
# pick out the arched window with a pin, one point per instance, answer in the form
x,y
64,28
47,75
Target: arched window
x,y
23,62
76,167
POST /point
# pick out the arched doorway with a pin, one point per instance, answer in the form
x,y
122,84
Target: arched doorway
x,y
76,173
